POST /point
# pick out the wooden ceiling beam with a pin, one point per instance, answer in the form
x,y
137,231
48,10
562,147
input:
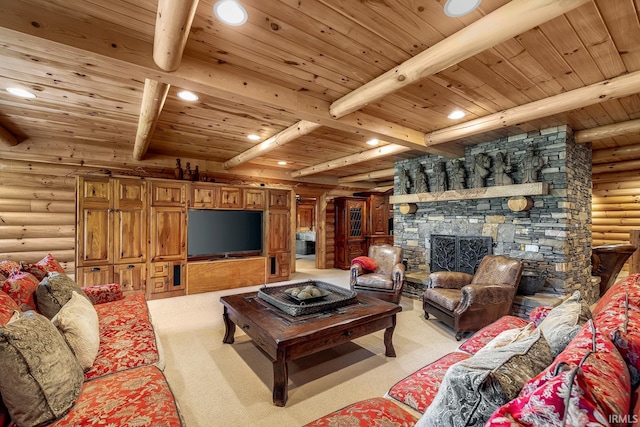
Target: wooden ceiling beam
x,y
7,137
291,133
383,173
513,18
596,93
364,156
153,98
607,131
173,24
122,50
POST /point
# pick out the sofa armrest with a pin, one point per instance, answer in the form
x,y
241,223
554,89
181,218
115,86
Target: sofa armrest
x,y
99,294
483,295
397,274
449,279
538,314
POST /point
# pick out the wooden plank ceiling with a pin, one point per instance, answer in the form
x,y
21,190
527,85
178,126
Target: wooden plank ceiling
x,y
87,62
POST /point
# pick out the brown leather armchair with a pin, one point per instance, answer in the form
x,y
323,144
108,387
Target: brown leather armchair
x,y
388,278
468,302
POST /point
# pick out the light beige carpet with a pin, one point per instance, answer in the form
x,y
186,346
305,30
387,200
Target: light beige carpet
x,y
219,384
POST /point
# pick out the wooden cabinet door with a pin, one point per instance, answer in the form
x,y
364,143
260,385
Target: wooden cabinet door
x,y
378,214
132,277
94,222
204,196
89,276
278,231
279,199
130,221
231,198
168,194
168,234
254,198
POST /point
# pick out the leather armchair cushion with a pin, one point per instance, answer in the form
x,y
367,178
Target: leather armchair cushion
x,y
449,279
446,298
375,280
386,256
498,270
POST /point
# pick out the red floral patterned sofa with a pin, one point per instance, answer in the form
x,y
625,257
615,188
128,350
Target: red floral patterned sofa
x,y
591,379
43,380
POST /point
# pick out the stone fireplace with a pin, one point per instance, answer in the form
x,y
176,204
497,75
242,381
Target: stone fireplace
x,y
552,238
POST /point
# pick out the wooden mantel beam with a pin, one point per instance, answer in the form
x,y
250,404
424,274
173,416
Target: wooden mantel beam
x,y
383,151
173,24
291,133
383,173
7,137
607,131
513,18
153,98
596,93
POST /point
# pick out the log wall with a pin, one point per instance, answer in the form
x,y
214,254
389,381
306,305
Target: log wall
x,y
37,212
615,208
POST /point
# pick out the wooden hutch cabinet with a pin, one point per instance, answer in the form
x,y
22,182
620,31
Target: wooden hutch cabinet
x,y
112,232
361,221
351,222
377,220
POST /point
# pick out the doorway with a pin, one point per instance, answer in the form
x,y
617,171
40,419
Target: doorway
x,y
306,227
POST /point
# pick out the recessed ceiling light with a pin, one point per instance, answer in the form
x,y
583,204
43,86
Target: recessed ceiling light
x,y
187,96
282,163
456,114
20,92
230,12
457,8
253,137
373,141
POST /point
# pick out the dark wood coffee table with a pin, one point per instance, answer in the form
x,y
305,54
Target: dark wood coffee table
x,y
283,337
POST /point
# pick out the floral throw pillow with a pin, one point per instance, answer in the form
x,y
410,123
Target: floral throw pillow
x,y
564,400
41,268
8,307
603,370
53,292
8,267
474,388
41,379
21,287
77,321
563,322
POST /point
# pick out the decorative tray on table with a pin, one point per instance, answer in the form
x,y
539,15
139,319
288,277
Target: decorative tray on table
x,y
328,297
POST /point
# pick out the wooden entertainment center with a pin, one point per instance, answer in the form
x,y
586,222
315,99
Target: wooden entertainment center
x,y
134,231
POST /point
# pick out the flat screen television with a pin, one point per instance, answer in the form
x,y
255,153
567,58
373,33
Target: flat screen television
x,y
223,233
